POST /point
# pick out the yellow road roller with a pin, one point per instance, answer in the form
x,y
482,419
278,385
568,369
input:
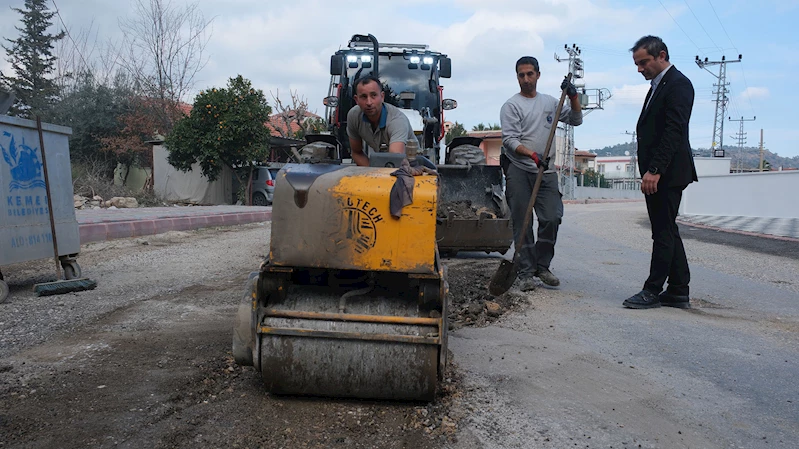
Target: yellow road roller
x,y
351,301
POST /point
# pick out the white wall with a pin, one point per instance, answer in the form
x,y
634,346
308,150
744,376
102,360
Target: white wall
x,y
711,166
615,167
582,193
762,194
171,184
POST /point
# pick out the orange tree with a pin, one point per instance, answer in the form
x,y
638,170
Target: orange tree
x,y
226,127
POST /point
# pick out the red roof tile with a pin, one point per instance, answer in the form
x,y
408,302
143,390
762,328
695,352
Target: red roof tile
x,y
277,123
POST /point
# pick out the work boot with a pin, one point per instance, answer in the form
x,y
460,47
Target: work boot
x,y
678,301
642,300
547,277
525,283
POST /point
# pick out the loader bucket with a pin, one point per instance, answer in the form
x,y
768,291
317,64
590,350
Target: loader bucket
x,y
472,212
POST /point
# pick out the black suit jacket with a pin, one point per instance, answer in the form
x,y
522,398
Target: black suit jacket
x,y
663,131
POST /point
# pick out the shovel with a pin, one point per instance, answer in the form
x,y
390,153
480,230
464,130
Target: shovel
x,y
507,272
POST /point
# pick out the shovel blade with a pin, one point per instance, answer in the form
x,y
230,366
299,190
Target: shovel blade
x,y
503,279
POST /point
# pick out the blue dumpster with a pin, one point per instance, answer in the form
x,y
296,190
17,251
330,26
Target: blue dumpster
x,y
25,230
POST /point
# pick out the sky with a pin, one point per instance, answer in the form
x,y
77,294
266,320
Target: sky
x,y
284,46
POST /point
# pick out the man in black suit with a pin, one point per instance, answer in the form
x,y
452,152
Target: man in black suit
x,y
667,165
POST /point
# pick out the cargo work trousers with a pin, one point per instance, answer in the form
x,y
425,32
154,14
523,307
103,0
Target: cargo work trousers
x,y
548,209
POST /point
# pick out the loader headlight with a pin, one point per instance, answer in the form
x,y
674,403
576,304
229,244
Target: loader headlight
x,y
366,58
352,58
415,59
428,60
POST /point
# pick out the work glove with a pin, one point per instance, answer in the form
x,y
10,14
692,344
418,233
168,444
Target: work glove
x,y
537,159
571,90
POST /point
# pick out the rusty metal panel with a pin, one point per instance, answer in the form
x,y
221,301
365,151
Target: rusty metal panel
x,y
474,235
25,232
481,187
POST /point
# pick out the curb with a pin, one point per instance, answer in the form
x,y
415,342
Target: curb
x,y
739,232
602,200
100,232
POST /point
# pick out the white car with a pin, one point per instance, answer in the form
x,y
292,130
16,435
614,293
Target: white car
x,y
263,185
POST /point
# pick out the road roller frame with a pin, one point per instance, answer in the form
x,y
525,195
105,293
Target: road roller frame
x,y
271,286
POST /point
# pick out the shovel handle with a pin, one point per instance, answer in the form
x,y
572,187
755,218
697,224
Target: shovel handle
x,y
540,176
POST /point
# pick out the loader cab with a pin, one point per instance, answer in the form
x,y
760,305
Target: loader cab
x,y
410,75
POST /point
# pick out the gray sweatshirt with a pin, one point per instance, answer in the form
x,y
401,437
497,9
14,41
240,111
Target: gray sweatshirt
x,y
527,121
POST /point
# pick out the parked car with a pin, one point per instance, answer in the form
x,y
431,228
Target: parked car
x,y
263,185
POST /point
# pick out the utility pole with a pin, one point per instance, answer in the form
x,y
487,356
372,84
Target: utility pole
x,y
761,149
741,136
566,172
634,158
721,100
589,102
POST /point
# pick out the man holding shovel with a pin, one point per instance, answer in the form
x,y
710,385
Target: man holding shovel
x,y
527,119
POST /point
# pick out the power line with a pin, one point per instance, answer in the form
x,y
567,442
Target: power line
x,y
678,26
66,30
722,25
700,24
746,85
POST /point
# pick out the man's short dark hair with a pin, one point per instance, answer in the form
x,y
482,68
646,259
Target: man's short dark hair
x,y
364,80
527,60
652,44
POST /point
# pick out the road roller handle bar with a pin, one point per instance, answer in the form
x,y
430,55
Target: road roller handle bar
x,y
351,317
295,332
386,319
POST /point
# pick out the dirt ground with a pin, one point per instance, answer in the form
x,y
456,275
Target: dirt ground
x,y
144,360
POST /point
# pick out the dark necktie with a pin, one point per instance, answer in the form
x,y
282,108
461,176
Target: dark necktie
x,y
646,101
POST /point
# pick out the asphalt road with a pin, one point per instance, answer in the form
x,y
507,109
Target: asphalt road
x,y
143,360
576,369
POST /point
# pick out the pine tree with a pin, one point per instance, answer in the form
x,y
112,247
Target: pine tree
x,y
31,58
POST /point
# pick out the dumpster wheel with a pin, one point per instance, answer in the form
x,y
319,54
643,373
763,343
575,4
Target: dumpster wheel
x,y
71,269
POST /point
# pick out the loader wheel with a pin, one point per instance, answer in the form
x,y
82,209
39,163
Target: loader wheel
x,y
243,326
3,291
467,155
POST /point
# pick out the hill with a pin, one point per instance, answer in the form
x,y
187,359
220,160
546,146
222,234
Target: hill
x,y
750,156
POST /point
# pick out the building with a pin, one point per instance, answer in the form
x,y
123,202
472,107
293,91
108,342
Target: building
x,y
584,160
621,172
287,124
492,146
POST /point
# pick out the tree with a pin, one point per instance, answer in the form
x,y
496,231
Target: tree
x,y
92,110
481,127
163,52
31,58
139,122
457,130
593,179
226,127
295,115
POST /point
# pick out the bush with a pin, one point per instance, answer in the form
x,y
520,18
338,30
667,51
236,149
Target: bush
x,y
92,180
